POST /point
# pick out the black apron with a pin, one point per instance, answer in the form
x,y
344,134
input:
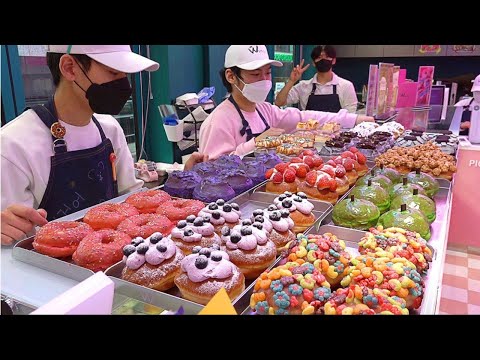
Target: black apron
x,y
327,102
245,127
466,116
77,179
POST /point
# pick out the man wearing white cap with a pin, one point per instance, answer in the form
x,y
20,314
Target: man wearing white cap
x,y
64,156
245,118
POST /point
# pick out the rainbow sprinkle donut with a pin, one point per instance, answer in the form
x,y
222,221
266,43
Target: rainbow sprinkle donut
x,y
291,289
360,300
399,242
395,276
326,252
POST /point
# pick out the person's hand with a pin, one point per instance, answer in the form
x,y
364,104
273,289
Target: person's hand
x,y
18,220
363,118
195,158
297,71
269,132
465,125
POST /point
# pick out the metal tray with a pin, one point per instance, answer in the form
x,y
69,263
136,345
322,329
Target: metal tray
x,y
170,300
352,237
24,251
249,202
442,200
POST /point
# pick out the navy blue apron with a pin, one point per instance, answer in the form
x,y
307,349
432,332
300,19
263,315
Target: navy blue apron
x,y
466,116
327,102
78,179
245,127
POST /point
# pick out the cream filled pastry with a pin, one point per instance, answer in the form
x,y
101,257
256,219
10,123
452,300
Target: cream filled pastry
x,y
153,262
260,216
282,228
200,232
249,248
205,272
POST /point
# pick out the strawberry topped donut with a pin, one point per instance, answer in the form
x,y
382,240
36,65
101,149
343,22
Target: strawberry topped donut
x,y
360,158
320,185
350,168
281,178
337,172
301,169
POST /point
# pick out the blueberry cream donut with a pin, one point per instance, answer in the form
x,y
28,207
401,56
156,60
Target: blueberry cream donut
x,y
205,272
260,216
300,210
249,248
194,232
282,228
225,214
153,262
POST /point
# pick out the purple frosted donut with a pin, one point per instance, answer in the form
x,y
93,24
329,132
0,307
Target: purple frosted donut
x,y
238,180
212,188
181,183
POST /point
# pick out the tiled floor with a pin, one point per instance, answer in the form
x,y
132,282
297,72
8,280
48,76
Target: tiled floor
x,y
461,284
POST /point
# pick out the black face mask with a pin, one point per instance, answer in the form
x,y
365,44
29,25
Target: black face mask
x,y
323,65
107,98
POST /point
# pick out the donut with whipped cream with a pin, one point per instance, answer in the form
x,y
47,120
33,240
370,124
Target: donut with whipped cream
x,y
261,216
337,172
320,185
153,262
248,247
221,214
300,210
207,270
296,288
282,178
194,231
350,166
282,228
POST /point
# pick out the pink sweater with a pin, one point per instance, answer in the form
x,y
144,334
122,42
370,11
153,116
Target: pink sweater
x,y
220,132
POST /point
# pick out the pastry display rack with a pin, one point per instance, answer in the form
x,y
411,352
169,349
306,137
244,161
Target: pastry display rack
x,y
249,201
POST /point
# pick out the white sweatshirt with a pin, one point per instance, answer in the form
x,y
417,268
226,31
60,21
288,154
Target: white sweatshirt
x,y
27,146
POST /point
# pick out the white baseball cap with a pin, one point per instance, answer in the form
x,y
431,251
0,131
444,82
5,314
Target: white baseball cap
x,y
118,57
476,84
248,57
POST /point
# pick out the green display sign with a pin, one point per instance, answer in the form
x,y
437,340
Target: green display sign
x,y
283,57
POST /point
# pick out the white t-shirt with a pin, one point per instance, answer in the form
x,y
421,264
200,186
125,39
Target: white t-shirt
x,y
27,147
345,90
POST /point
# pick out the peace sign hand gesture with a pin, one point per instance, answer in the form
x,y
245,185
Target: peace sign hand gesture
x,y
297,71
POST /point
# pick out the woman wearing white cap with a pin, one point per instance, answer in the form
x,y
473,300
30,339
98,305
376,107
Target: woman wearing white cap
x,y
244,118
59,157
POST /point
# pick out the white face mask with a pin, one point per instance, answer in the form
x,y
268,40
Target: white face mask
x,y
476,96
256,92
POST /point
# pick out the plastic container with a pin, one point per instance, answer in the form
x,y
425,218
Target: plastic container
x,y
174,132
